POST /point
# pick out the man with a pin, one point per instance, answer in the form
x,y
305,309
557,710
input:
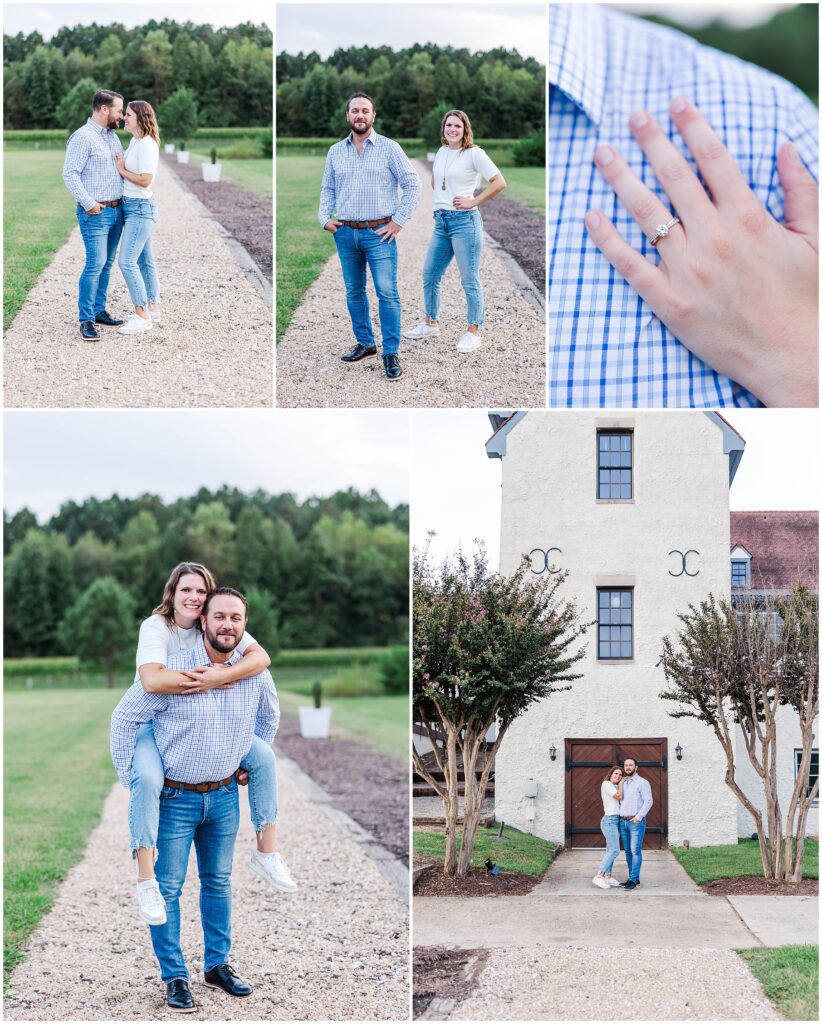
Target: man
x,y
608,348
90,174
362,173
202,738
633,808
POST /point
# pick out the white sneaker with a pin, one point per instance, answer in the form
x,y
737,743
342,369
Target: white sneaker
x,y
135,325
156,315
274,870
601,882
422,330
613,882
150,902
469,342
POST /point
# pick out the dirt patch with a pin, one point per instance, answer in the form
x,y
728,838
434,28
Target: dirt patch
x,y
441,973
247,216
751,885
478,882
371,788
521,233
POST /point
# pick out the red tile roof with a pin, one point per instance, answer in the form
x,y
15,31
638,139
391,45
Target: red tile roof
x,y
784,547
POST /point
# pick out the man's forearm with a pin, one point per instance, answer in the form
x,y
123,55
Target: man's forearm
x,y
71,179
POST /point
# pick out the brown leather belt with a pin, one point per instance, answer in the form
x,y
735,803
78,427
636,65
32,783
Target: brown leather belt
x,y
109,202
365,223
627,817
198,787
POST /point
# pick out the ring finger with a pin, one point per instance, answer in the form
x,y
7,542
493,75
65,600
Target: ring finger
x,y
640,201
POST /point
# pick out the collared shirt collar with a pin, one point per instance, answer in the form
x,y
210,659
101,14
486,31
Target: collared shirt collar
x,y
371,137
91,123
578,55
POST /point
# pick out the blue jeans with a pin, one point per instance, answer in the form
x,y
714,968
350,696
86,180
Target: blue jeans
x,y
456,233
211,821
359,248
147,776
610,829
632,834
136,256
101,233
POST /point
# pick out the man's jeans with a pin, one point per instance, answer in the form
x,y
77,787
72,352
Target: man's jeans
x,y
101,233
632,833
211,821
136,257
456,233
147,776
610,829
359,248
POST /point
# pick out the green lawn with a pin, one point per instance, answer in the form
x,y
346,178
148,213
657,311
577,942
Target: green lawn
x,y
254,174
383,723
789,976
526,185
57,773
522,853
707,863
302,246
38,215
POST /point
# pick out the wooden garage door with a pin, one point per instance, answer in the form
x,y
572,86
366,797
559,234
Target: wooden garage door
x,y
586,765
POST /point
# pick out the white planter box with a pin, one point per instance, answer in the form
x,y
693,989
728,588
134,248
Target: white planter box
x,y
182,157
315,723
169,147
211,172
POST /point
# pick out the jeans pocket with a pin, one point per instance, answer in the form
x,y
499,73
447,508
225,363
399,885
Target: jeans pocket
x,y
169,792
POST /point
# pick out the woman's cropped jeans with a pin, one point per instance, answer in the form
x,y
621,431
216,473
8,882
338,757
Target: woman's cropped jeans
x,y
610,829
136,256
457,233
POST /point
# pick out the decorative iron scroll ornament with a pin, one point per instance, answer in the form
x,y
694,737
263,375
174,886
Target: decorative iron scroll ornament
x,y
545,556
684,556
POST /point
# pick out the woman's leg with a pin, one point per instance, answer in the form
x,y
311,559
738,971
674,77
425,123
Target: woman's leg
x,y
144,801
148,268
467,241
439,255
610,829
131,245
261,765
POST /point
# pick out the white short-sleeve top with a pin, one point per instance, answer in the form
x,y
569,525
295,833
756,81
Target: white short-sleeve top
x,y
609,804
462,170
142,157
158,641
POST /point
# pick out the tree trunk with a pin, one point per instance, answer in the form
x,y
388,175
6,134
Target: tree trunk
x,y
451,803
472,802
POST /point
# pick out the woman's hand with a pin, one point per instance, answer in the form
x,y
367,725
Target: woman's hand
x,y
734,286
464,203
205,677
121,165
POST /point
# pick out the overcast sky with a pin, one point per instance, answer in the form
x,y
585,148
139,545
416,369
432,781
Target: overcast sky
x,y
48,18
51,457
739,15
456,488
476,26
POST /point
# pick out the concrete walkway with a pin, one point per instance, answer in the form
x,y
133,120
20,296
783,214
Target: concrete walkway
x,y
508,369
213,349
335,950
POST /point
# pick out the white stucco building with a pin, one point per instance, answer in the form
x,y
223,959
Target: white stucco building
x,y
635,506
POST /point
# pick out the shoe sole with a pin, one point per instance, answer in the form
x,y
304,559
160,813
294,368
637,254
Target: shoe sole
x,y
351,362
266,878
237,995
181,1009
155,924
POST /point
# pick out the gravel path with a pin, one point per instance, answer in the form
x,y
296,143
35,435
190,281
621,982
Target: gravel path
x,y
587,984
335,950
508,369
213,348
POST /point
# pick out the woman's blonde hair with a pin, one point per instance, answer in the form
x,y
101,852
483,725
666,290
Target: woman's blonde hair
x,y
612,769
166,606
146,119
467,135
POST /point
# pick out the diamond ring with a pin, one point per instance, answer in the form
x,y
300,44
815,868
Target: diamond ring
x,y
661,230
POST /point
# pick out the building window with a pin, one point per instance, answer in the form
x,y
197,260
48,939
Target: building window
x,y
615,623
813,775
739,574
615,464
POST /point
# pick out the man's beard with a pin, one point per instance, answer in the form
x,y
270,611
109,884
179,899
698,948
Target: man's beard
x,y
114,123
361,131
224,643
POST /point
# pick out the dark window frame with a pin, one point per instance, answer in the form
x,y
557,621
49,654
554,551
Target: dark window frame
x,y
797,757
609,625
744,564
609,469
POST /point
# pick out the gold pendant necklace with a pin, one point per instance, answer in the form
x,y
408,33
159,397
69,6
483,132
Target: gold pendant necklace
x,y
447,165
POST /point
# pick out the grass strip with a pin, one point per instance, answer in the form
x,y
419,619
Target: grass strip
x,y
522,853
707,863
789,976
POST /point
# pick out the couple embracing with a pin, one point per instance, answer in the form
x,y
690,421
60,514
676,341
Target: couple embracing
x,y
626,800
115,206
198,720
362,175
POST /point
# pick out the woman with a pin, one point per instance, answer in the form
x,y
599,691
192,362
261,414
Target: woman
x,y
174,626
137,168
458,169
611,791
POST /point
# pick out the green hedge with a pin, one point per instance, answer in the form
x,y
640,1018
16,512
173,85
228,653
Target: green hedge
x,y
336,656
16,667
60,135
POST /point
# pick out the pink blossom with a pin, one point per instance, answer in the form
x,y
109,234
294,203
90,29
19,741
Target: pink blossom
x,y
426,676
435,685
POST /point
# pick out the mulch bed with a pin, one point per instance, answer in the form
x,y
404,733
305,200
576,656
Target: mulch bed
x,y
445,974
478,882
247,216
751,885
371,788
521,233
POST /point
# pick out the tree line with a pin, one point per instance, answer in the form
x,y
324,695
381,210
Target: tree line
x,y
324,572
228,70
502,92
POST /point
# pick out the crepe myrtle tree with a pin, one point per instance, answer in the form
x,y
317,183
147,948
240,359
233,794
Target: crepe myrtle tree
x,y
735,664
486,646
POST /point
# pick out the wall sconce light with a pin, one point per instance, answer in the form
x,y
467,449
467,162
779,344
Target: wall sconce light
x,y
552,752
678,752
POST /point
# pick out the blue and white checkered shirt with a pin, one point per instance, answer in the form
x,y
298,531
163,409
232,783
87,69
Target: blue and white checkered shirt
x,y
202,737
607,347
365,187
90,171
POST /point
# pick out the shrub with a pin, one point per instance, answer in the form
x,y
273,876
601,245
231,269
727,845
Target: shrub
x,y
14,667
430,126
266,140
333,656
393,670
530,152
178,115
